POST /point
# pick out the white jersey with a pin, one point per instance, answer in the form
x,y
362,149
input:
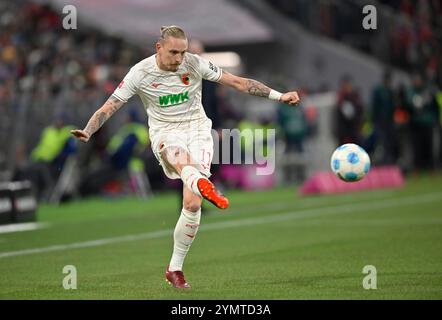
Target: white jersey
x,y
171,99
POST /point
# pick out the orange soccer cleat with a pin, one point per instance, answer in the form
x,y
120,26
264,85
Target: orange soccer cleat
x,y
176,278
209,192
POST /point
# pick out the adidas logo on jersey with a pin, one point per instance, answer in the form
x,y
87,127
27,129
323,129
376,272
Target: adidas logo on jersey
x,y
173,99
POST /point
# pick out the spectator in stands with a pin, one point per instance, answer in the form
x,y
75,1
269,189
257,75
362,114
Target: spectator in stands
x,y
424,114
294,127
124,151
403,152
382,111
349,113
49,157
439,131
407,8
261,123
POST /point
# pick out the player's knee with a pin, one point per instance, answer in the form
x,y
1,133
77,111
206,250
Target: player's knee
x,y
192,203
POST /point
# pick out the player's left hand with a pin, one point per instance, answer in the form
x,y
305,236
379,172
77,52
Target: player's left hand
x,y
80,135
291,98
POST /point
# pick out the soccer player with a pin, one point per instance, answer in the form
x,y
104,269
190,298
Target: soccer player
x,y
169,85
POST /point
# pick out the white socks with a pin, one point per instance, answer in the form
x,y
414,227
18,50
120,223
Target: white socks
x,y
190,176
185,231
188,223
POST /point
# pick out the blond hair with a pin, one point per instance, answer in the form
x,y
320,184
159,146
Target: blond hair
x,y
172,31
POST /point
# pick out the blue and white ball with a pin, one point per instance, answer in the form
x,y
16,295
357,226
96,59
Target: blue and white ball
x,y
350,162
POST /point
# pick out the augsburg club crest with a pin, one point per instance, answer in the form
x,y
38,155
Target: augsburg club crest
x,y
185,78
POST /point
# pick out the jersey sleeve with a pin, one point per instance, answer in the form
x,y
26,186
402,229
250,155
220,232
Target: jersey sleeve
x,y
128,86
208,70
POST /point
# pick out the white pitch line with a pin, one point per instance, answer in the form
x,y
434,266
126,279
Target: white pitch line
x,y
18,227
91,243
291,215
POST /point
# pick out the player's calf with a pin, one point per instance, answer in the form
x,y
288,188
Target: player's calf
x,y
191,201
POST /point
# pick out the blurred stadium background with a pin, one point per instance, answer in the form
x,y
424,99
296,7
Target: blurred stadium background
x,y
109,210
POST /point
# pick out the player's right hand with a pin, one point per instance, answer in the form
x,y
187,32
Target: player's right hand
x,y
80,135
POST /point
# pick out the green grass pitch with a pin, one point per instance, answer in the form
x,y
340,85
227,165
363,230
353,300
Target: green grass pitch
x,y
267,245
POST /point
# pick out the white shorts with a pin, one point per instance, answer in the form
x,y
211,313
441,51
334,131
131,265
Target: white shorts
x,y
198,142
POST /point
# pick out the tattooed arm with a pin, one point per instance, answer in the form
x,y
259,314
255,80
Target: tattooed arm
x,y
256,88
98,119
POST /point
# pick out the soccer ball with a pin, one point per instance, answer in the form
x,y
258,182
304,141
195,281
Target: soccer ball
x,y
350,162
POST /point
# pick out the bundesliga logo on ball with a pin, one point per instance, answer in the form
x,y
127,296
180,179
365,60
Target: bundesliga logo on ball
x,y
350,162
